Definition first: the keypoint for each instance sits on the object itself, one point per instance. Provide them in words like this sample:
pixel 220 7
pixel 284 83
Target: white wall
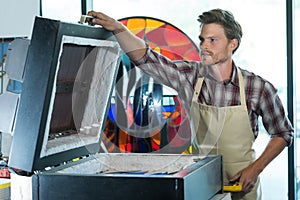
pixel 17 17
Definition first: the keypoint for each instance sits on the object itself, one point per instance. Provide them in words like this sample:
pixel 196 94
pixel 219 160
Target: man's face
pixel 215 48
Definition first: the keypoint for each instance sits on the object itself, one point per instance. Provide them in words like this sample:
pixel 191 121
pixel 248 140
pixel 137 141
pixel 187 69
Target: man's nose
pixel 203 45
pixel 203 48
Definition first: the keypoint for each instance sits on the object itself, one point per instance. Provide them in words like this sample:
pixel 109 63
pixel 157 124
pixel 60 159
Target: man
pixel 224 101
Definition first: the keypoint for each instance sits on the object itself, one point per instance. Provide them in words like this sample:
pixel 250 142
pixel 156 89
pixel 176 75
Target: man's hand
pixel 106 22
pixel 246 177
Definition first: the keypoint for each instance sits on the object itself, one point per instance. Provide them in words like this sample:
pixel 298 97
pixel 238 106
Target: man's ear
pixel 233 44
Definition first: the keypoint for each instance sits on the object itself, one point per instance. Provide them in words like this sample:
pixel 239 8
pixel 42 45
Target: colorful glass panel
pixel 163 37
pixel 176 45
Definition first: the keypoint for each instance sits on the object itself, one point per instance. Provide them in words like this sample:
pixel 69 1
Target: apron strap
pixel 197 89
pixel 242 87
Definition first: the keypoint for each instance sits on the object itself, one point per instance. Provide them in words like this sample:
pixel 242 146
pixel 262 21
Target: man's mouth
pixel 205 53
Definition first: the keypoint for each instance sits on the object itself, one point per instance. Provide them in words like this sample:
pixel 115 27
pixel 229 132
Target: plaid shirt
pixel 261 96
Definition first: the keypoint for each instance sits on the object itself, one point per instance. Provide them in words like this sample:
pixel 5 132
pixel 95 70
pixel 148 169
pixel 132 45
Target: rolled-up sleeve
pixel 287 136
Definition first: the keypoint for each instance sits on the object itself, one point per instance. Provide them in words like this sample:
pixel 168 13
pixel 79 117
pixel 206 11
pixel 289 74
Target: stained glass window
pixel 170 41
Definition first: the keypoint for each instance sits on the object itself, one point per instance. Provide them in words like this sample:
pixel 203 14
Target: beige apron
pixel 225 131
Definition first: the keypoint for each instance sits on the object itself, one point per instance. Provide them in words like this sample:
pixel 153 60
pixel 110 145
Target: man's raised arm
pixel 132 45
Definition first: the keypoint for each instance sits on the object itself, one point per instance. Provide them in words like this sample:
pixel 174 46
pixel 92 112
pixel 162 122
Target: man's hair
pixel 232 28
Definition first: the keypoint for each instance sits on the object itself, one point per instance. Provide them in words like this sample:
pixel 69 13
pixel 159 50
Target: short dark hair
pixel 232 28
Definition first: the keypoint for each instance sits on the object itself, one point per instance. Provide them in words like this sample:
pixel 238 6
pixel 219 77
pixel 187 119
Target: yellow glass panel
pixel 157 49
pixel 136 25
pixel 153 24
